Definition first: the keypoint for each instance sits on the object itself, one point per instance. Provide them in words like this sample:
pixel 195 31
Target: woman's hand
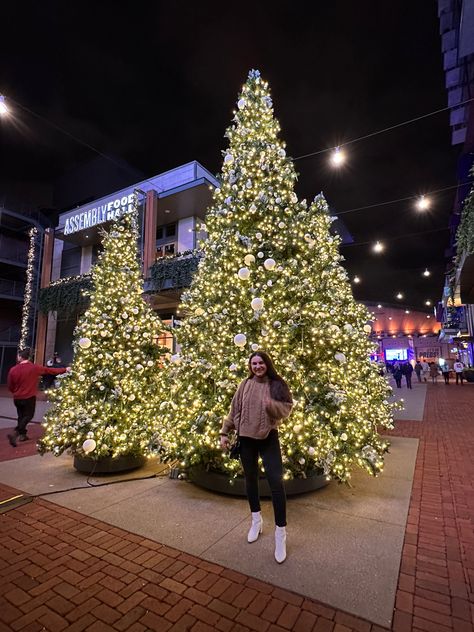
pixel 224 440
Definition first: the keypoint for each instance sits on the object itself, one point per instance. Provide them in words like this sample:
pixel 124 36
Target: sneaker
pixel 12 440
pixel 23 438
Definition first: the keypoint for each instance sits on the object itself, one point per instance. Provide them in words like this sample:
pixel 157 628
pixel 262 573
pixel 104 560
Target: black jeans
pixel 408 379
pixel 446 378
pixel 459 376
pixel 269 450
pixel 25 409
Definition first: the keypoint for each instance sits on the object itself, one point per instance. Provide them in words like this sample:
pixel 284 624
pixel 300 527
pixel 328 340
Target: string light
pixel 3 106
pixel 423 203
pixel 428 303
pixel 27 301
pixel 379 306
pixel 356 279
pixel 338 157
pixel 378 247
pixel 426 273
pixel 399 296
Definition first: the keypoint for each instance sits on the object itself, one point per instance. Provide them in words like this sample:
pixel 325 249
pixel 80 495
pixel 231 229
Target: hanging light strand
pixel 27 302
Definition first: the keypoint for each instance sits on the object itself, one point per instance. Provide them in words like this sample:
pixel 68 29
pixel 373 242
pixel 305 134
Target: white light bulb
pixel 426 273
pixel 378 247
pixel 423 203
pixel 428 303
pixel 399 296
pixel 356 279
pixel 3 106
pixel 338 157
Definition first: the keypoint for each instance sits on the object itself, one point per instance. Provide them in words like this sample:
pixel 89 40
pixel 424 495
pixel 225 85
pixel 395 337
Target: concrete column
pixel 46 269
pixel 86 259
pixel 149 240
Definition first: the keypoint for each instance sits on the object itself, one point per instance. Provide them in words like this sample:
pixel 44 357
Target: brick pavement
pixel 62 570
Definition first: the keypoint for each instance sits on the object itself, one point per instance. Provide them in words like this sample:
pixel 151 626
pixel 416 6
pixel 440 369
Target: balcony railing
pixel 12 250
pixel 15 289
pixel 10 334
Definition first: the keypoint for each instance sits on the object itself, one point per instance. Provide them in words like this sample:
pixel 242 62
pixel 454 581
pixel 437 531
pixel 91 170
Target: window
pixel 165 250
pixel 165 232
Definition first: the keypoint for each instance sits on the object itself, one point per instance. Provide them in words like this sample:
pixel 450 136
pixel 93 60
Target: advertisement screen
pixel 395 354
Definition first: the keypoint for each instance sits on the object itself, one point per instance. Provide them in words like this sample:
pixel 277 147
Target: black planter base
pixel 218 482
pixel 107 464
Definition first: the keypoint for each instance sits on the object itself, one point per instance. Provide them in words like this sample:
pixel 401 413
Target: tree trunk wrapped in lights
pixel 272 279
pixel 105 406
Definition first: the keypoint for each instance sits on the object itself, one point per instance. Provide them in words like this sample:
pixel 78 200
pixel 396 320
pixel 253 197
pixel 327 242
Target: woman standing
pixel 397 374
pixel 260 403
pixel 434 372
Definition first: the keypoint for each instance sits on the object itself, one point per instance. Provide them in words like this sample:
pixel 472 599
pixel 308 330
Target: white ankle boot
pixel 256 526
pixel 280 544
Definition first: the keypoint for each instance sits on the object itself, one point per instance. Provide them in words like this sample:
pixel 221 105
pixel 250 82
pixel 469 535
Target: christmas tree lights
pixel 272 279
pixel 105 405
pixel 26 316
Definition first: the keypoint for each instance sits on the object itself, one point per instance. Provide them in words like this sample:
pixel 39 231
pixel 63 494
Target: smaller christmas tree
pixel 105 405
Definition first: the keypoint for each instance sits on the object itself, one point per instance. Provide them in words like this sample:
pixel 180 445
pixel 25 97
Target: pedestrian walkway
pixel 64 570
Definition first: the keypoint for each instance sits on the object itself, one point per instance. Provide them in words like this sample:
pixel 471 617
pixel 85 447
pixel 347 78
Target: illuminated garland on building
pixel 27 302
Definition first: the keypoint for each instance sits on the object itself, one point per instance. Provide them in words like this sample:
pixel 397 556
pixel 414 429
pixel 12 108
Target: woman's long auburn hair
pixel 278 387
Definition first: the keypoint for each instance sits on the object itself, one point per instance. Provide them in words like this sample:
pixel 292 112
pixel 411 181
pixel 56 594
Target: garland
pixel 465 232
pixel 66 295
pixel 27 313
pixel 177 271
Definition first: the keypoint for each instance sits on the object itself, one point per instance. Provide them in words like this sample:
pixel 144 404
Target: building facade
pixel 171 206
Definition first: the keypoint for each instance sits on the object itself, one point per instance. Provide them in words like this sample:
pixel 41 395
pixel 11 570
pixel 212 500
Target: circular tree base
pixel 107 464
pixel 221 483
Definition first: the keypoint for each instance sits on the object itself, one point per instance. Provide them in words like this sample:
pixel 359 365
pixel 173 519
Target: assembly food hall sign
pixel 99 214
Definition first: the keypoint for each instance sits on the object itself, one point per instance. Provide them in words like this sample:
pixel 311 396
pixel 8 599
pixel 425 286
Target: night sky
pixel 156 84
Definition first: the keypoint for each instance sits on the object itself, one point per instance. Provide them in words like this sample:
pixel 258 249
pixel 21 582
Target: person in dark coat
pixel 418 370
pixel 407 370
pixel 397 374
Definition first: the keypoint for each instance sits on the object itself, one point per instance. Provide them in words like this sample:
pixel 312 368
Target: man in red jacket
pixel 22 381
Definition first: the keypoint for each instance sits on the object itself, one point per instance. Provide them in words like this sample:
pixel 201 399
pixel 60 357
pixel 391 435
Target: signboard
pixel 102 212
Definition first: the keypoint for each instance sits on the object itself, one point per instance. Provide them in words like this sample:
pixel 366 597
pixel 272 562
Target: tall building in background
pixel 457 43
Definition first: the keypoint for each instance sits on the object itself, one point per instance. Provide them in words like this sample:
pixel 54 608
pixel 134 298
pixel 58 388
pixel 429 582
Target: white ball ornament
pixel 233 367
pixel 175 358
pixel 343 437
pixel 348 328
pixel 240 340
pixel 260 255
pixel 269 264
pixel 253 208
pixel 270 283
pixel 199 311
pixel 229 159
pixel 281 225
pixel 307 237
pixel 302 461
pixel 277 324
pixel 244 274
pixel 258 236
pixel 249 259
pixel 340 357
pixel 89 445
pixel 294 198
pixel 241 104
pixel 311 451
pixel 367 329
pixel 254 347
pixel 85 343
pixel 257 304
pixel 281 153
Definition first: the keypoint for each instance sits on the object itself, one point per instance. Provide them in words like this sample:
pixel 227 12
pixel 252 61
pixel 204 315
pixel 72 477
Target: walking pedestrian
pixel 425 370
pixel 407 370
pixel 259 405
pixel 22 381
pixel 418 370
pixel 397 374
pixel 434 372
pixel 445 371
pixel 458 369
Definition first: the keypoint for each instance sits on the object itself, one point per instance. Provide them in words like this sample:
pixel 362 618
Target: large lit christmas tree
pixel 272 279
pixel 105 405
